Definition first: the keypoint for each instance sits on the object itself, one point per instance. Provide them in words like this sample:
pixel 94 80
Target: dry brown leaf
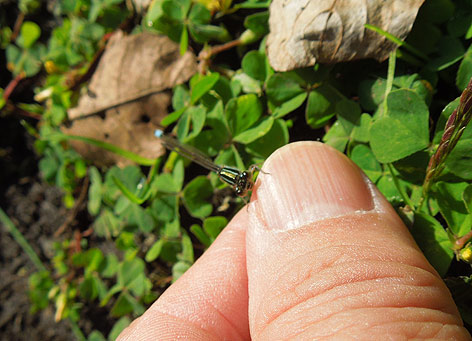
pixel 328 31
pixel 128 96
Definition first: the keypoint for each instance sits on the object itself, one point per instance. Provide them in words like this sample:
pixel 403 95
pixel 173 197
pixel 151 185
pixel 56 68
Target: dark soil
pixel 37 211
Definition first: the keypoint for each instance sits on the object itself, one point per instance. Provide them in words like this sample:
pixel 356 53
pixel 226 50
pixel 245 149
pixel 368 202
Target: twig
pixel 10 107
pixel 206 54
pixel 73 213
pixel 16 28
pixel 74 83
pixel 12 85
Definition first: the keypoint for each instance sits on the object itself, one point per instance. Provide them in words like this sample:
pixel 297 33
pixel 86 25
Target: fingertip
pixel 209 300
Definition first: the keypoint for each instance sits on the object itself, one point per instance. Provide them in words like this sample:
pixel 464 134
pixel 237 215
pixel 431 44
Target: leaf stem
pixel 21 240
pixel 397 41
pixel 390 76
pixel 400 189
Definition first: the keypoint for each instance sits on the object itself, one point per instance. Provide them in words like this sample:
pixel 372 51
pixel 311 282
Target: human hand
pixel 318 254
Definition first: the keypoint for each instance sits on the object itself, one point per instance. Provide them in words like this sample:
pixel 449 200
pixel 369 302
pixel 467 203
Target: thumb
pixel 327 257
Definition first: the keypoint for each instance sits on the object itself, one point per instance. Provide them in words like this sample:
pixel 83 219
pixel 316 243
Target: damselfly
pixel 241 182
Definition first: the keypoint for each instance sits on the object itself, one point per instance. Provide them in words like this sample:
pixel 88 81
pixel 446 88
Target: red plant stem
pixel 17 27
pixel 206 54
pixel 75 83
pixel 12 85
pixel 460 242
pixel 13 108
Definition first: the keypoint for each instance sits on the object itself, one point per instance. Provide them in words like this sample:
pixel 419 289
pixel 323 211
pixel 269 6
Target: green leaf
pixel 201 236
pixel 290 105
pixel 282 87
pixel 247 83
pixel 460 25
pixel 128 193
pixel 360 132
pixel 275 138
pixel 125 241
pixel 90 259
pixel 118 327
pixel 107 224
pixel 467 198
pixel 337 137
pixel 258 22
pixel 109 266
pixel 203 33
pixel 197 117
pixel 255 132
pixel 202 86
pixel 214 225
pixel 464 74
pixel 172 229
pixel 195 197
pixel 135 215
pixel 154 251
pixel 199 14
pixel 129 271
pixel 253 64
pixel 164 208
pixel 176 9
pixel 165 184
pixel 371 93
pixel 95 335
pixel 242 112
pixel 178 269
pixel 433 241
pixel 365 159
pixel 169 251
pixel 88 288
pixel 213 138
pixel 123 305
pixel 459 162
pixel 29 33
pixel 172 117
pixel 460 288
pixel 452 207
pixel 403 129
pixel 440 125
pixel 181 97
pixel 183 126
pixel 319 109
pixel 187 254
pixel 348 113
pixel 183 41
pixel 178 173
pixel 437 11
pixel 413 167
pixel 450 51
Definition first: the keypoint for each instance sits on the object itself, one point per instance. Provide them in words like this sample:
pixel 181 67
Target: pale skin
pixel 318 255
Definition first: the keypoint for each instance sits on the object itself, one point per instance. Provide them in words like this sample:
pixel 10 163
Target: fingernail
pixel 307 182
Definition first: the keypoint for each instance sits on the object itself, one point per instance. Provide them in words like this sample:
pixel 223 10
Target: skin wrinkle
pixel 197 322
pixel 427 277
pixel 398 325
pixel 341 298
pixel 422 326
pixel 172 321
pixel 427 316
pixel 321 271
pixel 227 320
